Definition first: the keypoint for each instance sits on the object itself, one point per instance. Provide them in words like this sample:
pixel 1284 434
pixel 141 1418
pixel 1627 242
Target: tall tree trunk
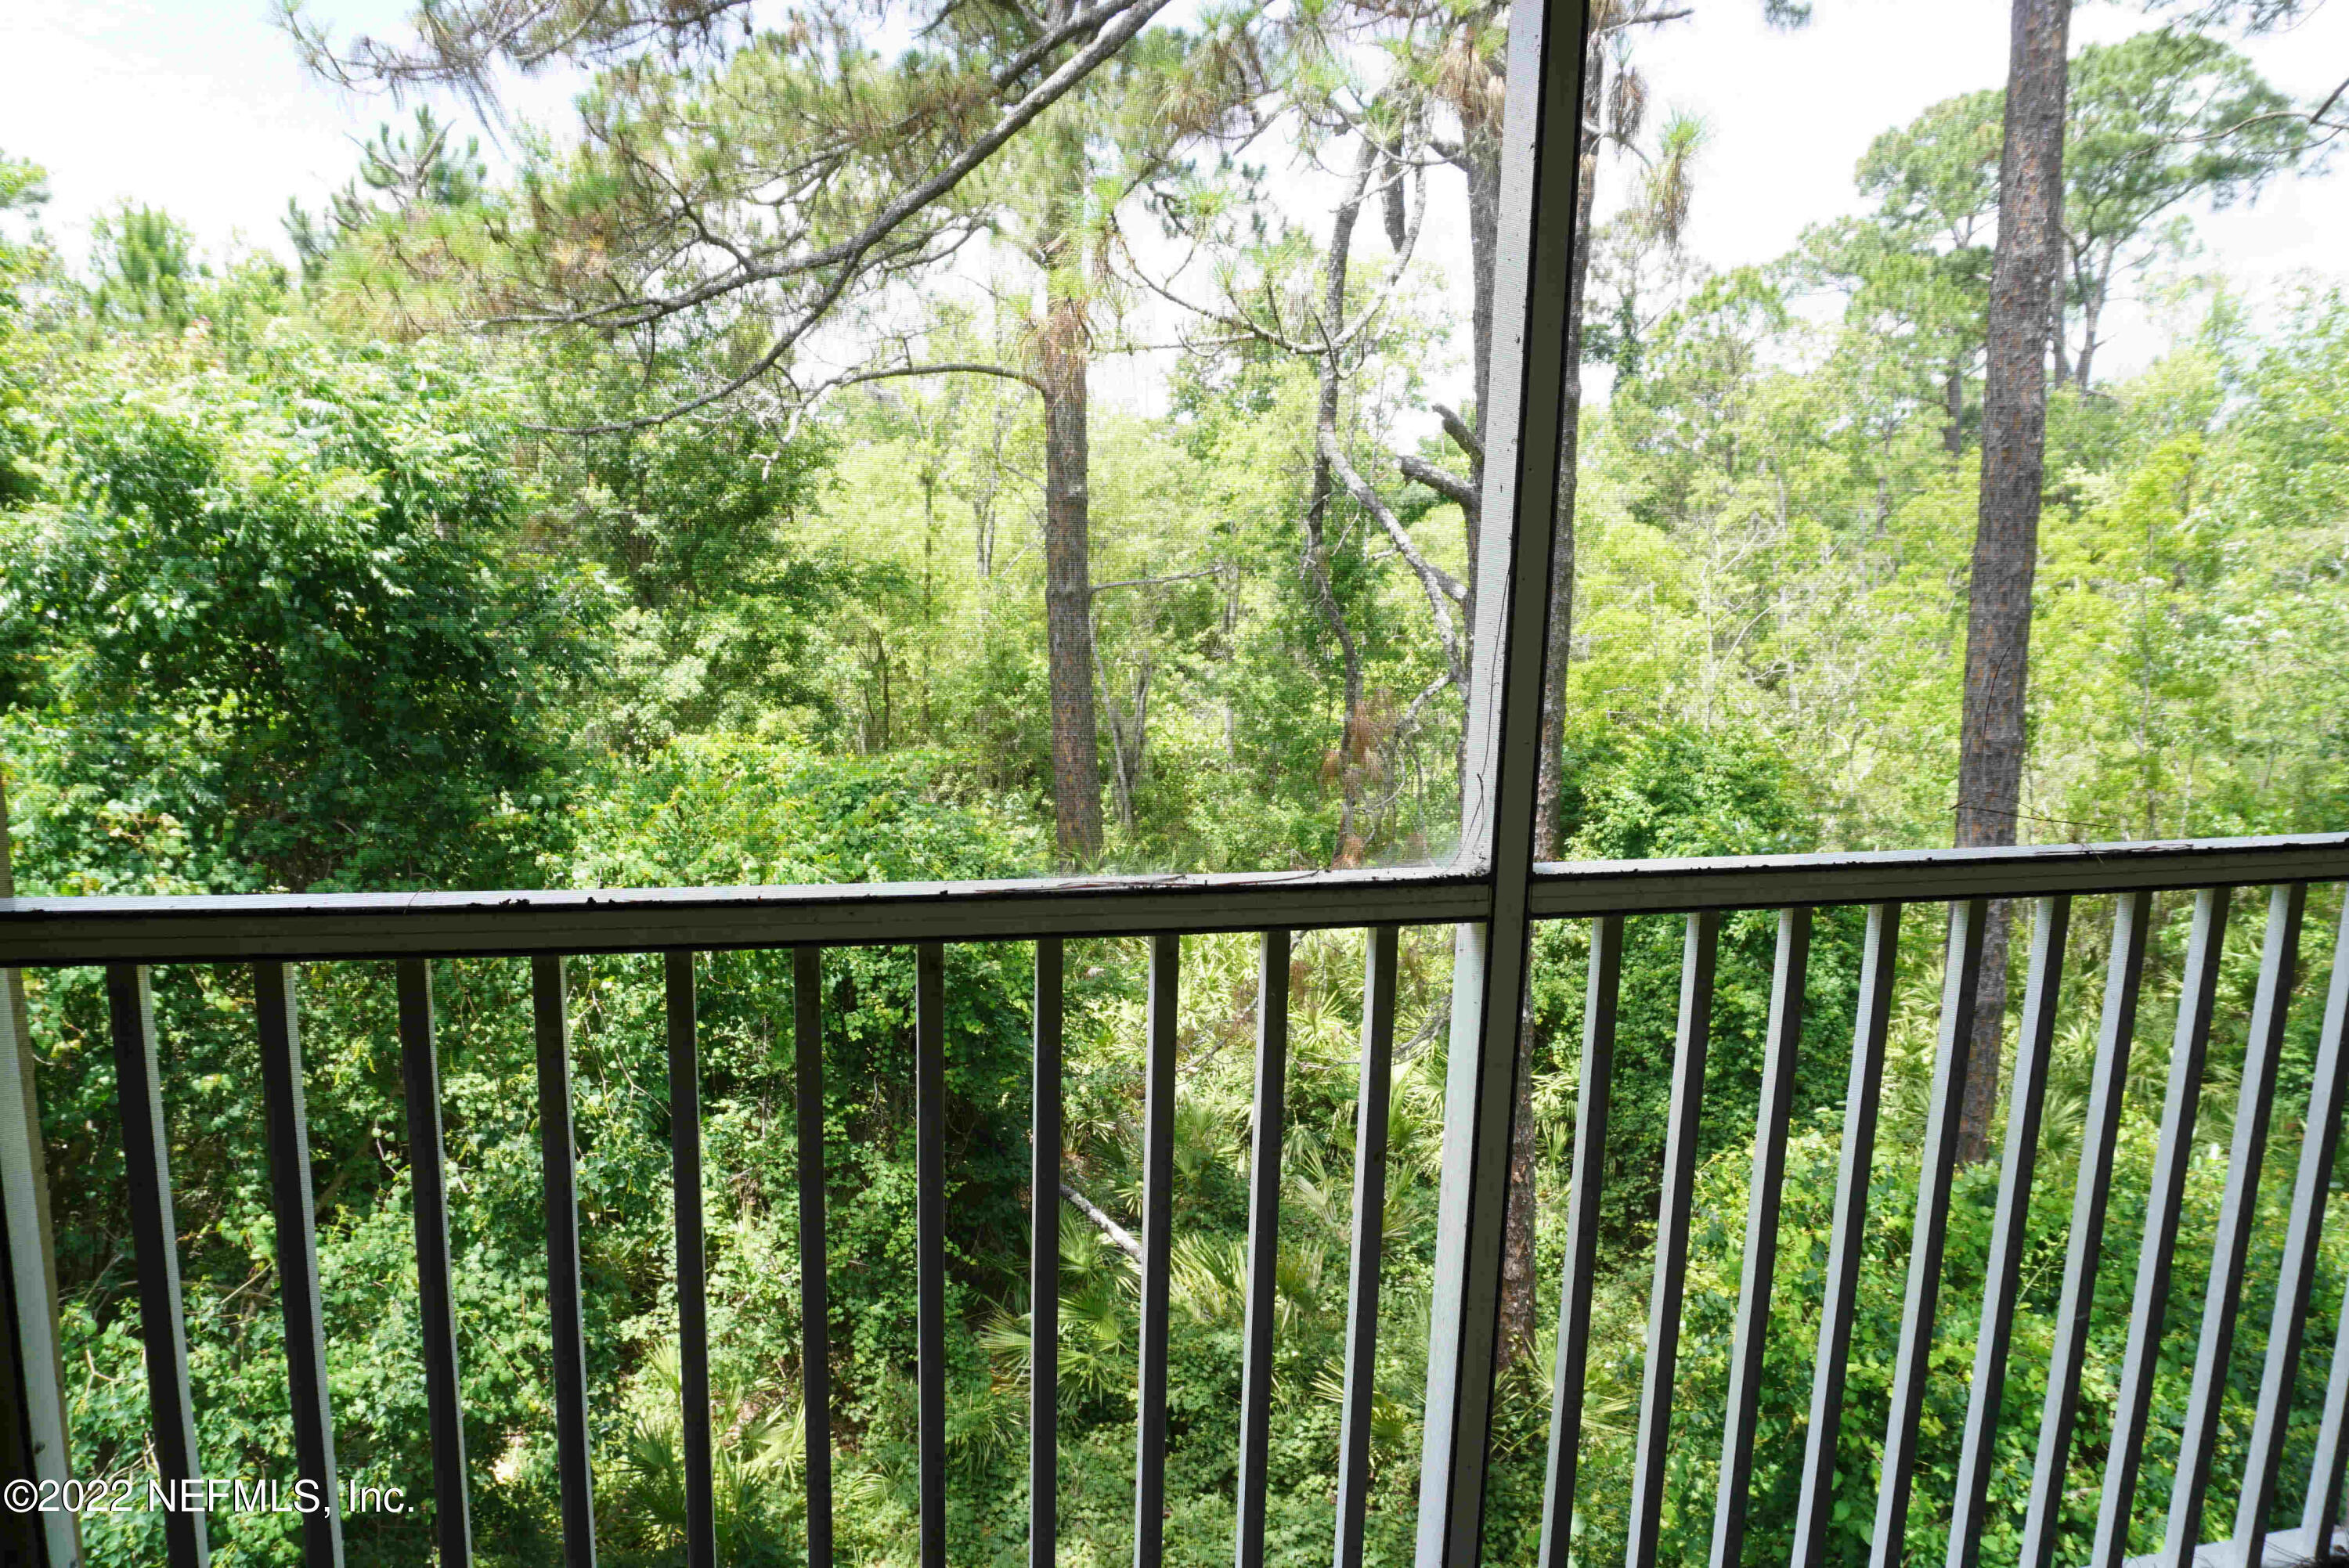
pixel 1348 772
pixel 1118 774
pixel 2006 541
pixel 1068 527
pixel 930 605
pixel 1953 398
pixel 1068 590
pixel 2098 284
pixel 1480 160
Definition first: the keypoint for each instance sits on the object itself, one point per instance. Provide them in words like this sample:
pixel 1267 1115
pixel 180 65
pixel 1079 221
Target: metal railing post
pixel 34 1442
pixel 816 1280
pixel 147 1171
pixel 1044 1264
pixel 1157 1223
pixel 420 1064
pixel 1701 953
pixel 1264 1243
pixel 1758 1268
pixel 2165 1201
pixel 1848 1241
pixel 559 1170
pixel 2238 1218
pixel 287 1120
pixel 2287 1333
pixel 2092 1192
pixel 1595 1090
pixel 2026 1099
pixel 1913 1364
pixel 1371 1107
pixel 930 1243
pixel 1500 762
pixel 692 1267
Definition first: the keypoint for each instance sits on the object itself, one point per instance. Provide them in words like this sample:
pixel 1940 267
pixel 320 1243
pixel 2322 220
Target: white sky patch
pixel 201 108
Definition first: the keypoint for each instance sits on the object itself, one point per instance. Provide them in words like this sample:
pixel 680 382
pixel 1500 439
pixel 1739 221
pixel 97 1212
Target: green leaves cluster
pixel 281 611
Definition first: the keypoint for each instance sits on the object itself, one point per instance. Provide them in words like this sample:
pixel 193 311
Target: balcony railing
pixel 1902 893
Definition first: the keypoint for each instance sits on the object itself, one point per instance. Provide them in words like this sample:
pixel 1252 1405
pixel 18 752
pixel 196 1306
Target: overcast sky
pixel 1792 112
pixel 199 107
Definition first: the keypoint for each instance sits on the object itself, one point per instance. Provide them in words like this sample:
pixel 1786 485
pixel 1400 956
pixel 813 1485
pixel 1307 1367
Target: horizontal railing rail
pixel 37 933
pixel 305 927
pixel 1929 876
pixel 274 931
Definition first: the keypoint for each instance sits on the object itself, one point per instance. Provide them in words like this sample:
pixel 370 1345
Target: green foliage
pixel 145 270
pixel 24 187
pixel 271 627
pixel 406 173
pixel 1686 794
pixel 2164 117
pixel 702 526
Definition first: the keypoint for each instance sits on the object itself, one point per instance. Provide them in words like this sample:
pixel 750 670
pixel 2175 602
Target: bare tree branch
pixel 767 362
pixel 1451 486
pixel 1410 719
pixel 462 43
pixel 1641 19
pixel 946 367
pixel 2314 119
pixel 1120 1237
pixel 1150 581
pixel 1462 436
pixel 1333 335
pixel 1443 591
pixel 1103 28
pixel 849 252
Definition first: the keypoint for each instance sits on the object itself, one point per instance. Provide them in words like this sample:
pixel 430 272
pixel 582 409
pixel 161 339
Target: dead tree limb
pixel 1120 1237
